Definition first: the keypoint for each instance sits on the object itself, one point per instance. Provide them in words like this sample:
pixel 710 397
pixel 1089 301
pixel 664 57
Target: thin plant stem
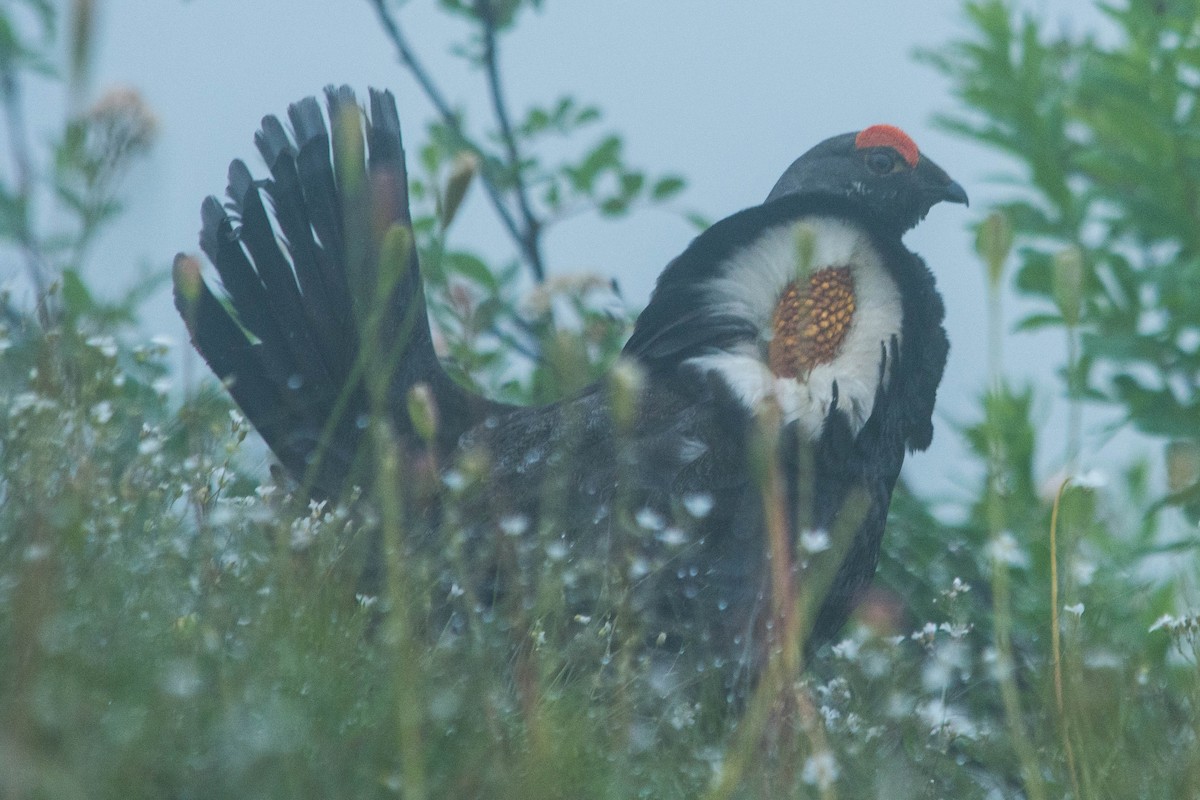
pixel 995 336
pixel 1056 641
pixel 531 231
pixel 18 142
pixel 1074 401
pixel 408 57
pixel 1002 610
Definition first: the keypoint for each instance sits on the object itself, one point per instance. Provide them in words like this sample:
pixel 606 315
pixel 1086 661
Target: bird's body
pixel 807 311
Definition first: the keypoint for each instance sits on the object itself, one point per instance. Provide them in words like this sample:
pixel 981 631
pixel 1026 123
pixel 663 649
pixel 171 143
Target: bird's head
pixel 879 166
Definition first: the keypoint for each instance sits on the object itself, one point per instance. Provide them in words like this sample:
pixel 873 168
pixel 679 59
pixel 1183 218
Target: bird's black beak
pixel 953 192
pixel 937 186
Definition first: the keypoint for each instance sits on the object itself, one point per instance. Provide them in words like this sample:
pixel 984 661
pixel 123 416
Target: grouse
pixel 797 344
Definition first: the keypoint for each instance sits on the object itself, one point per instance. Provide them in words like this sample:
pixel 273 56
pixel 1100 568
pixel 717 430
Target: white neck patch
pixel 752 280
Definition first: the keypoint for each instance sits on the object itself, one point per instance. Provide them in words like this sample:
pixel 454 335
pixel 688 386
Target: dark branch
pixel 520 235
pixel 532 226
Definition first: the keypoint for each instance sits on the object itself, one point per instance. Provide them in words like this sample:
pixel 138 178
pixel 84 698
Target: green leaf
pixel 666 187
pixel 603 157
pixel 1034 322
pixel 472 268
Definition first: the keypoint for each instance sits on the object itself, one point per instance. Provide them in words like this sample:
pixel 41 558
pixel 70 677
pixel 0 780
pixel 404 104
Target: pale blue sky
pixel 727 94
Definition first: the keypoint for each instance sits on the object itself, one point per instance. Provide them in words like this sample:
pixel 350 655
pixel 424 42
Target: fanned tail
pixel 315 307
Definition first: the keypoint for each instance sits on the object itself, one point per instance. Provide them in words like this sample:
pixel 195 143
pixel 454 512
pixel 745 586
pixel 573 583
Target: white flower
pixel 514 524
pixel 957 586
pixel 814 541
pixel 956 630
pixel 303 533
pixel 1083 570
pixel 698 505
pixel 107 345
pixel 673 537
pixel 102 412
pixel 150 443
pixel 820 770
pixel 1076 609
pixel 650 520
pixel 947 720
pixel 1005 549
pixel 847 649
pixel 1092 479
pixel 926 635
pixel 556 550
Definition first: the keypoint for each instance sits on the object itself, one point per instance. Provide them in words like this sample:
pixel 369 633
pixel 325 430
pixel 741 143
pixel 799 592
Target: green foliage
pixel 1103 131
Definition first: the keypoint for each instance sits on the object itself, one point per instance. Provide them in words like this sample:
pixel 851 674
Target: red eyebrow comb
pixel 889 136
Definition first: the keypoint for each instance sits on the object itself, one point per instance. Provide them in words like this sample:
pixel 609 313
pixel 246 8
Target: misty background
pixel 727 95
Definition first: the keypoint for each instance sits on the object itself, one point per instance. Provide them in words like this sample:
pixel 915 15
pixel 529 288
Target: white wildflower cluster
pixel 105 345
pixel 958 587
pixel 956 630
pixel 836 690
pixel 833 701
pixel 305 530
pixel 947 721
pixel 847 649
pixel 683 715
pixel 150 442
pixel 29 404
pixel 926 634
pixel 949 661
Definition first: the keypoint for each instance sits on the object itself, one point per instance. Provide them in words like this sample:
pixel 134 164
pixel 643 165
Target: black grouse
pixel 796 344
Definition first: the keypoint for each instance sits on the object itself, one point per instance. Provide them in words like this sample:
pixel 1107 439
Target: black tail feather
pixel 301 275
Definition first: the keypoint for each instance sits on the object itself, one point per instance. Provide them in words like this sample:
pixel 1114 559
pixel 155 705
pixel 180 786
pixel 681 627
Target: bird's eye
pixel 880 162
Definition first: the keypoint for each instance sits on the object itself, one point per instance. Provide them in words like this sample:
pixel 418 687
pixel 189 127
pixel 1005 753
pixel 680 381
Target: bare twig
pixel 522 235
pixel 531 233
